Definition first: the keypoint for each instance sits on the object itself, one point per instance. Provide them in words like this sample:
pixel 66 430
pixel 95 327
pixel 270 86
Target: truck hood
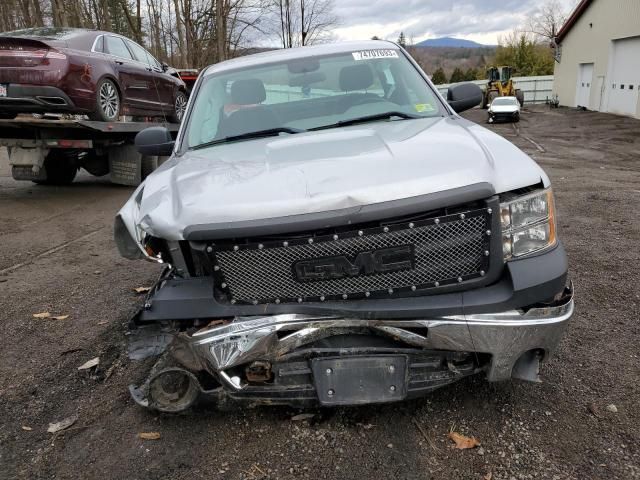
pixel 322 171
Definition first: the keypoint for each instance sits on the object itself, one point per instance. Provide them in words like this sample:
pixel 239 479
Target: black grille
pixel 450 249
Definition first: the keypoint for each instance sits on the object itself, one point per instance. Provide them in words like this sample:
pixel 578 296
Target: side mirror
pixel 464 96
pixel 165 66
pixel 154 141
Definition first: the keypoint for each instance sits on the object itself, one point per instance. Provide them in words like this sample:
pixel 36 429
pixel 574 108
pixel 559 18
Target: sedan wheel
pixel 180 107
pixel 108 102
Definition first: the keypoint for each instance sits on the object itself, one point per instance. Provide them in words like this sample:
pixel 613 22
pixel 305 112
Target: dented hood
pixel 326 170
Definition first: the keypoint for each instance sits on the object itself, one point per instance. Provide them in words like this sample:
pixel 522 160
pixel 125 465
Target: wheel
pixel 59 169
pixel 8 116
pixel 180 106
pixel 107 102
pixel 516 118
pixel 520 97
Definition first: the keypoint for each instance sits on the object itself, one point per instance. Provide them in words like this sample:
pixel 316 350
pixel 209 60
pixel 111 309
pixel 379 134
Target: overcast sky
pixel 479 20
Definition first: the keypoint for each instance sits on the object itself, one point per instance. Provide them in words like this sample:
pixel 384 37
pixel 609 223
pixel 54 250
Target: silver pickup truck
pixel 332 232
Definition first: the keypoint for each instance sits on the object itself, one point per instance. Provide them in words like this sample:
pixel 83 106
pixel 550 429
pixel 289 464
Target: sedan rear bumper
pixel 36 99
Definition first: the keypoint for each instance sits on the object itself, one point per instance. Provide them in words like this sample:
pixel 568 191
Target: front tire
pixel 179 107
pixel 108 102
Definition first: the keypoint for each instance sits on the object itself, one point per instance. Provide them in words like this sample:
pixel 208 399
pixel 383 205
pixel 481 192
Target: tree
pixel 402 40
pixel 519 50
pixel 439 77
pixel 547 21
pixel 471 74
pixel 303 22
pixel 457 76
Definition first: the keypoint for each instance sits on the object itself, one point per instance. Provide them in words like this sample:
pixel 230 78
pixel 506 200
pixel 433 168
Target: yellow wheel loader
pixel 500 84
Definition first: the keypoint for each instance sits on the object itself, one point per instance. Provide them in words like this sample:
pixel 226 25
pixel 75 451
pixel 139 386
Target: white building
pixel 599 57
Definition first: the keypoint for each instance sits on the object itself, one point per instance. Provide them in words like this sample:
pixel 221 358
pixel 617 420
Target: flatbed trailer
pixel 52 151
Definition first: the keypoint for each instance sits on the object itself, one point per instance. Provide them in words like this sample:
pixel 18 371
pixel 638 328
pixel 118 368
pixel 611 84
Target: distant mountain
pixel 450 42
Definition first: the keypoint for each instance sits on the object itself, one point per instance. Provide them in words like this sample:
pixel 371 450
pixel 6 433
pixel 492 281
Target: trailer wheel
pixel 107 108
pixel 59 169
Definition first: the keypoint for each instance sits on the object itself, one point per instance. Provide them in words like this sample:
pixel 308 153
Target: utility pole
pixel 221 34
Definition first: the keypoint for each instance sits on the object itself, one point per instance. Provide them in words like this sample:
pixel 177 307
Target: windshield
pixel 312 93
pixel 501 102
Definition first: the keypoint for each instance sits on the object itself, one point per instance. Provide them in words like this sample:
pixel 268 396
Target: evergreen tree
pixel 471 74
pixel 402 40
pixel 439 77
pixel 457 76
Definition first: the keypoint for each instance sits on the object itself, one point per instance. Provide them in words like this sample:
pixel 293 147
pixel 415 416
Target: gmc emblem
pixel 382 260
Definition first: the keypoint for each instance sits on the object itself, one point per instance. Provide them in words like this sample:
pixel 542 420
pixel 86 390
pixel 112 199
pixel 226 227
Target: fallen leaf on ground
pixel 488 476
pixel 103 322
pixel 62 424
pixel 303 416
pixel 48 315
pixel 141 289
pixel 26 429
pixel 89 364
pixel 463 442
pixel 149 435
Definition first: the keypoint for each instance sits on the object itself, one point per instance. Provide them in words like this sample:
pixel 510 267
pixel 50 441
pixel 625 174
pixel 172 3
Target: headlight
pixel 528 224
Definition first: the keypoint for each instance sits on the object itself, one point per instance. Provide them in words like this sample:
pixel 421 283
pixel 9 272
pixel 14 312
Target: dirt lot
pixel 57 255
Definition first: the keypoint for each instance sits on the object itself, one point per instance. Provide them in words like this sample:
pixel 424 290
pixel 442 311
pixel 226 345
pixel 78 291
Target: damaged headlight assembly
pixel 130 238
pixel 528 224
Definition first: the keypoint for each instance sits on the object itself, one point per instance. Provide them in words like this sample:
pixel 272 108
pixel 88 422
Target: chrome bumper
pixel 510 337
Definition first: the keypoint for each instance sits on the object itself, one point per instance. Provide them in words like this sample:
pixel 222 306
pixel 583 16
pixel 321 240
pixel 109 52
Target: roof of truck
pixel 284 54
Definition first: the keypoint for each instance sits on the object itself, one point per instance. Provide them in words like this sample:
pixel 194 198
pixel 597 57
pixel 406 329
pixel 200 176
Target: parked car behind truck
pixel 504 109
pixel 72 70
pixel 333 233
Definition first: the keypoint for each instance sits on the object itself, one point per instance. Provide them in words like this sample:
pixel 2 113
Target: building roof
pixel 573 18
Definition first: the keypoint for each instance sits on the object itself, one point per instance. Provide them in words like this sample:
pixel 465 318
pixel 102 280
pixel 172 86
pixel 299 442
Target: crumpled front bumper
pixel 514 342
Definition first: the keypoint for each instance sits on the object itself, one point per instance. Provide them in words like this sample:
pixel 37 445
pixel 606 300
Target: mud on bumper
pixel 306 360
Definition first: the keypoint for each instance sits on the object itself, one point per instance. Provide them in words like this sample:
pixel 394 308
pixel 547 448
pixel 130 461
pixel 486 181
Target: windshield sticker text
pixel 369 54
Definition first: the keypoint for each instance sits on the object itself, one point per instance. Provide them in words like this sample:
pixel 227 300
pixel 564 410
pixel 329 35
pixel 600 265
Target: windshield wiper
pixel 369 118
pixel 245 136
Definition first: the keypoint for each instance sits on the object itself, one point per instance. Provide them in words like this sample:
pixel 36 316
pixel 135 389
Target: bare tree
pixel 185 33
pixel 547 21
pixel 303 22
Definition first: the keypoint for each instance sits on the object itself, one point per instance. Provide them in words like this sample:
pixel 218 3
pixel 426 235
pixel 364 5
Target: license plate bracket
pixel 360 380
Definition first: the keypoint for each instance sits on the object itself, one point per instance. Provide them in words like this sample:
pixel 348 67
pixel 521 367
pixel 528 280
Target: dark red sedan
pixel 73 70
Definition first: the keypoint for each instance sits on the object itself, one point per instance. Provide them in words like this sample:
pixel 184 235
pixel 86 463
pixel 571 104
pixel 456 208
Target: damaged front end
pixel 310 360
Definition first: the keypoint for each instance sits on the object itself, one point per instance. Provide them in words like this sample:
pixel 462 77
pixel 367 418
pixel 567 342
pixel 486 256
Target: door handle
pixel 119 62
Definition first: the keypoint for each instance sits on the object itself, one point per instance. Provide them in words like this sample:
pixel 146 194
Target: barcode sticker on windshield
pixel 369 54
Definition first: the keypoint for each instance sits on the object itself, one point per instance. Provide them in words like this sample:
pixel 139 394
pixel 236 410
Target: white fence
pixel 535 89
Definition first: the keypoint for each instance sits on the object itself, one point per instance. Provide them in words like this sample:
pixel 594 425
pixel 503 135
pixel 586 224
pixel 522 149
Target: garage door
pixel 583 90
pixel 624 80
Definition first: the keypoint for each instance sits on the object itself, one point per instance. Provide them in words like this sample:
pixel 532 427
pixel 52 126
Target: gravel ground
pixel 57 255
